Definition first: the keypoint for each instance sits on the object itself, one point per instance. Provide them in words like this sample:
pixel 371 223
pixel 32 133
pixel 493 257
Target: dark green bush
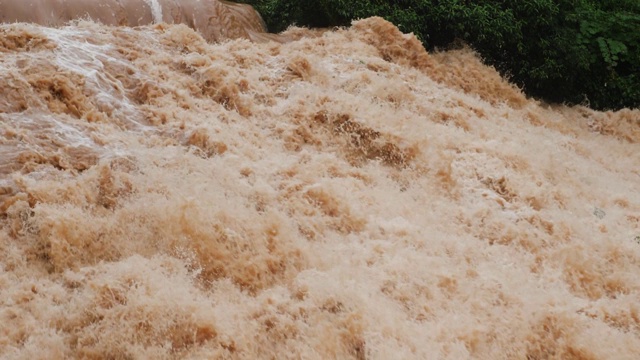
pixel 573 51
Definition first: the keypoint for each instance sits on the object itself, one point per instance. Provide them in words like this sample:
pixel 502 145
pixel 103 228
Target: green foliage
pixel 609 42
pixel 572 51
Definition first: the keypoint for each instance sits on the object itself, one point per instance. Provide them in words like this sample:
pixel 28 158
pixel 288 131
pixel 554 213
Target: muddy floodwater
pixel 331 195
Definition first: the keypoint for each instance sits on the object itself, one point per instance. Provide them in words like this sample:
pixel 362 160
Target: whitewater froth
pixel 344 195
pixel 156 10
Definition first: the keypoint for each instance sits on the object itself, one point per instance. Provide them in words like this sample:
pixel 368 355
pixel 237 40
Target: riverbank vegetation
pixel 561 51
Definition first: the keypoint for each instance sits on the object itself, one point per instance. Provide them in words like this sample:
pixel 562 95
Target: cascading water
pixel 343 195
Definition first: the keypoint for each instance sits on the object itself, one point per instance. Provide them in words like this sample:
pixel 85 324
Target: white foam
pixel 156 10
pixel 81 57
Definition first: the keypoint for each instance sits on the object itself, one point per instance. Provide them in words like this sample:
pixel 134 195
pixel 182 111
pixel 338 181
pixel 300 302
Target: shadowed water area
pixel 342 194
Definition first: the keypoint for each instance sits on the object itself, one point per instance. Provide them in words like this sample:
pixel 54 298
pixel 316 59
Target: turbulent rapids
pixel 213 19
pixel 342 194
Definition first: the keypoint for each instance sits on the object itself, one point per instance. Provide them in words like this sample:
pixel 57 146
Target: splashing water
pixel 343 195
pixel 156 10
pixel 215 20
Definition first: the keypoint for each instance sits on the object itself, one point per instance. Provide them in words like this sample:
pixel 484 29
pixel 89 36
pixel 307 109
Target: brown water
pixel 213 19
pixel 345 195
